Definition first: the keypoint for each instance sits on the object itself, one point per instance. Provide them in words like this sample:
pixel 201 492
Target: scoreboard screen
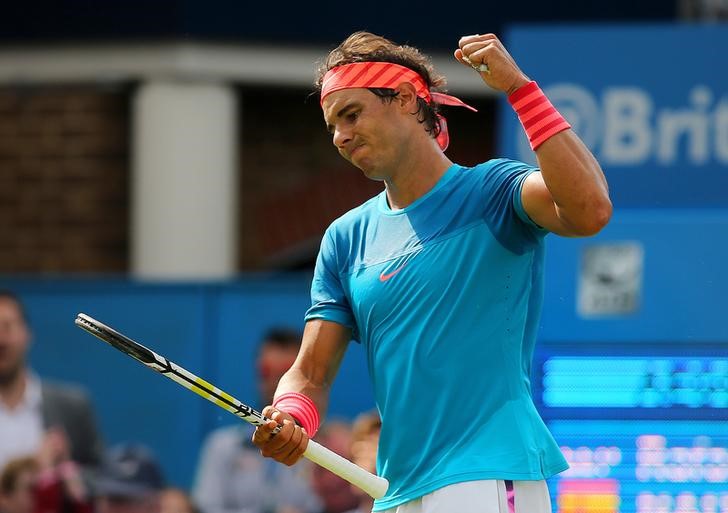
pixel 642 382
pixel 633 466
pixel 642 432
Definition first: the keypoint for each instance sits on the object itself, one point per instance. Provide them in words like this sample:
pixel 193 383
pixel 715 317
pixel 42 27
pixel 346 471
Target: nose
pixel 341 138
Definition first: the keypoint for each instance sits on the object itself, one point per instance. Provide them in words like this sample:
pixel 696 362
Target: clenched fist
pixel 502 73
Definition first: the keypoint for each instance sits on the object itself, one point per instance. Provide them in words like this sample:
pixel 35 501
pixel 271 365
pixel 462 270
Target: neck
pixel 12 388
pixel 417 175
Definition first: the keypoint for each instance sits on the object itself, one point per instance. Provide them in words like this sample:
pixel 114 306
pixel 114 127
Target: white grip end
pixel 373 485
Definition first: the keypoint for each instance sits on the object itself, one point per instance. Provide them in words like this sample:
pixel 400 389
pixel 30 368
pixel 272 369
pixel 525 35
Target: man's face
pixel 368 132
pixel 273 362
pixel 14 340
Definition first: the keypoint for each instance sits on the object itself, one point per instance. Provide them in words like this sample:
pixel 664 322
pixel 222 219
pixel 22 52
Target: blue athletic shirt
pixel 445 296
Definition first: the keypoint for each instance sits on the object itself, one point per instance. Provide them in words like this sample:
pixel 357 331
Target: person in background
pixel 35 412
pixel 336 494
pixel 130 480
pixel 364 440
pixel 17 479
pixel 232 477
pixel 43 483
pixel 176 500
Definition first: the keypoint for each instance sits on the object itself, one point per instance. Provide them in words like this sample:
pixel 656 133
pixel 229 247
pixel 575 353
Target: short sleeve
pixel 503 207
pixel 328 298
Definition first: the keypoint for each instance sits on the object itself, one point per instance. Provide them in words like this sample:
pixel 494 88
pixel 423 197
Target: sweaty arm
pixel 570 195
pixel 322 349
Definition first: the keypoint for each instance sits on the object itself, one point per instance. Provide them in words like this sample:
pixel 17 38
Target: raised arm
pixel 570 195
pixel 322 349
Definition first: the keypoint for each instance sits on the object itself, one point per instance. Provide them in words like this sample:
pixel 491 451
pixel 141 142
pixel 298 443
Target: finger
pixel 278 443
pixel 260 436
pixel 292 449
pixel 478 63
pixel 475 38
pixel 303 445
pixel 459 57
pixel 471 48
pixel 267 427
pixel 279 416
pixel 264 433
pixel 300 447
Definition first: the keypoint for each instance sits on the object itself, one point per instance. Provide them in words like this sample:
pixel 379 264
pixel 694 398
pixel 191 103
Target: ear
pixel 407 97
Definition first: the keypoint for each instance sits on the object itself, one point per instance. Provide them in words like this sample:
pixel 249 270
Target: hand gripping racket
pixel 373 485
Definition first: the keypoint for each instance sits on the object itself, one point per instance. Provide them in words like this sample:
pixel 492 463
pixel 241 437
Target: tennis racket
pixel 373 485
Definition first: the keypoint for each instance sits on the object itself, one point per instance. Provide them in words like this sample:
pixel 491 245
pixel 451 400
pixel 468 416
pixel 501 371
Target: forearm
pixel 296 380
pixel 323 347
pixel 576 183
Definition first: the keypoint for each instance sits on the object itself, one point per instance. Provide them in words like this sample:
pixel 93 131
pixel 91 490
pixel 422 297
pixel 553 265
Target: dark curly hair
pixel 367 47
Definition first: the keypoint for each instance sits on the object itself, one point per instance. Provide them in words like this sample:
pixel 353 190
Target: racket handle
pixel 373 485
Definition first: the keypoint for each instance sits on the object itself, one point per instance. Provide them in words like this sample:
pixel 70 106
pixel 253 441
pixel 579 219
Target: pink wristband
pixel 539 117
pixel 300 408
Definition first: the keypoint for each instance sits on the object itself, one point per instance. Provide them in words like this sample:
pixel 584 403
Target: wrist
pixel 301 408
pixel 537 115
pixel 517 85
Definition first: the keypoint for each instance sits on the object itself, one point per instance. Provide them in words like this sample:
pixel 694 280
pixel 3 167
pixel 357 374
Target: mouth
pixel 355 150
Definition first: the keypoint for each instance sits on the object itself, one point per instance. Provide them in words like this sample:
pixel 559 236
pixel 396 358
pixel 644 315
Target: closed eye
pixel 350 113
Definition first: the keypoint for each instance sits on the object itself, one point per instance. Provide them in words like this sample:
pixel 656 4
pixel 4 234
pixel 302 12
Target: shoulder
pixel 349 229
pixel 502 166
pixel 354 217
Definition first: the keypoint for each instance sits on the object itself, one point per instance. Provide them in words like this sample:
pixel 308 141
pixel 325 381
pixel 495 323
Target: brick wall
pixel 64 177
pixel 64 155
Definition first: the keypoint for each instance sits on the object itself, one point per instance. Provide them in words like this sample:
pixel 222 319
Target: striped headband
pixel 387 75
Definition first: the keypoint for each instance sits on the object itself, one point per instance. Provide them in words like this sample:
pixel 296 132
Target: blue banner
pixel 651 102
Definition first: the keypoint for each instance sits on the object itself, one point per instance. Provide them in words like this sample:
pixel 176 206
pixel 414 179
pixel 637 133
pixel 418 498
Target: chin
pixel 372 174
pixel 369 170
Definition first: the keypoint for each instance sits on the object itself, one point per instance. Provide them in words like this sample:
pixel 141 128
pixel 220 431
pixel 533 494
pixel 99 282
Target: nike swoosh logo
pixel 384 277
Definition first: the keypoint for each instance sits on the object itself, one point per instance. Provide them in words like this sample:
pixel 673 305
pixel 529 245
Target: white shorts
pixel 486 496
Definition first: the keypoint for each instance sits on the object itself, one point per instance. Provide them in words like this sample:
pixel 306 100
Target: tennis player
pixel 439 277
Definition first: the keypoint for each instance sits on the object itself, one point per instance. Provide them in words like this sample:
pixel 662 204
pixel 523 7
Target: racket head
pixel 118 340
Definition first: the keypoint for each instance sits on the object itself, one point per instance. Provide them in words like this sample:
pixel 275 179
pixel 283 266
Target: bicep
pixel 539 205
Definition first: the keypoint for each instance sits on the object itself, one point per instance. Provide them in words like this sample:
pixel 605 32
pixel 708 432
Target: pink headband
pixel 388 75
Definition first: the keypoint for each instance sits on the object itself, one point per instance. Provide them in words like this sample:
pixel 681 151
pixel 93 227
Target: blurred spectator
pixel 129 481
pixel 232 476
pixel 59 485
pixel 33 484
pixel 175 500
pixel 336 494
pixel 33 412
pixel 16 485
pixel 364 442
